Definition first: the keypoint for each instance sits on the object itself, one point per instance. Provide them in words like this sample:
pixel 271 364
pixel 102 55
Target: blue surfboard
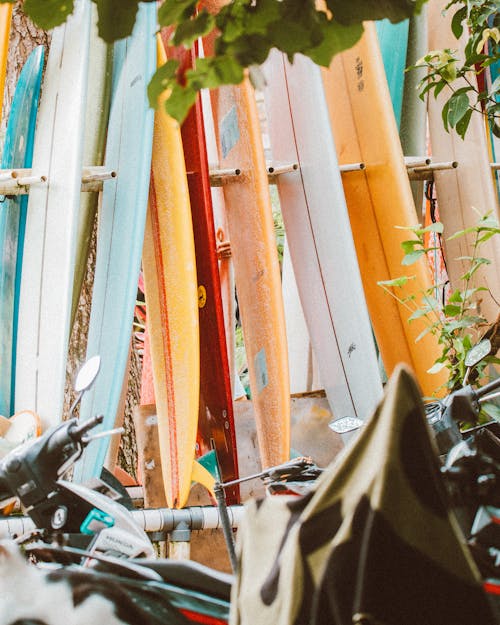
pixel 393 40
pixel 120 234
pixel 17 153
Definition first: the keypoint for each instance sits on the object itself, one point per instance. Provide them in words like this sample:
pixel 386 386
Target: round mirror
pixel 87 374
pixel 477 353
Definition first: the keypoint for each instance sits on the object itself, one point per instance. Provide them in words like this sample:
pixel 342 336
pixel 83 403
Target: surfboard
pixel 393 41
pixel 5 22
pixel 51 224
pixel 216 421
pixel 378 199
pixel 121 220
pixel 17 153
pixel 319 236
pixel 96 123
pixel 226 269
pixel 256 266
pixel 169 267
pixel 413 127
pixel 302 364
pixel 469 188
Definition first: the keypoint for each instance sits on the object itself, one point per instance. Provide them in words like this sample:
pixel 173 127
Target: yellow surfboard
pixel 5 21
pixel 172 305
pixel 256 267
pixel 378 199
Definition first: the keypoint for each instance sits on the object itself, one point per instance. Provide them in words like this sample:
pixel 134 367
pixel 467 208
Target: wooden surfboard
pixel 469 188
pixel 216 422
pixel 319 235
pixel 49 249
pixel 256 267
pixel 17 153
pixel 378 199
pixel 122 216
pixel 5 22
pixel 96 123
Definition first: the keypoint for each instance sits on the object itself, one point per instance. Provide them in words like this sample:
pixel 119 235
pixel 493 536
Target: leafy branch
pixel 481 19
pixel 243 31
pixel 454 320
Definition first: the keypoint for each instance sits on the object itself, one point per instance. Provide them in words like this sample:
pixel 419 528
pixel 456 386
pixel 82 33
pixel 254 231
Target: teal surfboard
pixel 393 40
pixel 17 153
pixel 121 221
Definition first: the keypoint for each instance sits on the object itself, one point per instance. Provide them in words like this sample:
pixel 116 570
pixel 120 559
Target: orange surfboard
pixel 256 266
pixel 378 199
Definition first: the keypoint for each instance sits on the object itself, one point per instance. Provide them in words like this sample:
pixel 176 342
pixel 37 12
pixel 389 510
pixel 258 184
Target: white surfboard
pixel 470 186
pixel 319 234
pixel 302 364
pixel 49 248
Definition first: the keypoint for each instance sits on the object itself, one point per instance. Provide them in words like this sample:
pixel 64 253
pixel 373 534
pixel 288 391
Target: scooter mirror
pixel 477 353
pixel 87 374
pixel 343 425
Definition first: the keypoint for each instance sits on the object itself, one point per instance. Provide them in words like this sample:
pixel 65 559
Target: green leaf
pixel 436 367
pixel 48 14
pixel 421 312
pixel 463 124
pixel 397 282
pixel 161 80
pixel 411 258
pixel 116 18
pixel 355 11
pixel 409 246
pixel 458 106
pixel 180 101
pixel 173 11
pixel 491 410
pixel 187 32
pixel 451 310
pixel 444 115
pixel 456 22
pixel 456 296
pixel 422 334
pixel 434 227
pixel 337 37
pixel 212 72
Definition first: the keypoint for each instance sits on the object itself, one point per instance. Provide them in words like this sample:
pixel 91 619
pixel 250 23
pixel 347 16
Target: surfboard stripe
pixel 167 368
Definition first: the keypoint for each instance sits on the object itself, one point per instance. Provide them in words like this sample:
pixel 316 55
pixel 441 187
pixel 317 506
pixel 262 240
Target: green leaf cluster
pixel 454 320
pixel 481 19
pixel 244 31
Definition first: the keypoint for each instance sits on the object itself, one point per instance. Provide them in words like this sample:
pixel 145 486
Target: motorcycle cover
pixel 375 542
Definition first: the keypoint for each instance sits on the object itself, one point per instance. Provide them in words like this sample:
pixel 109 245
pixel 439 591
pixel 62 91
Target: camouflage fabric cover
pixel 374 544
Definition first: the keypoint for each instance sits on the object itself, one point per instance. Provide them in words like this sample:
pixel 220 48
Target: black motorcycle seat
pixel 192 575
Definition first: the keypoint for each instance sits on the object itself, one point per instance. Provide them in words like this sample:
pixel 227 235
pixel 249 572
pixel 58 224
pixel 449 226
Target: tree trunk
pixel 24 37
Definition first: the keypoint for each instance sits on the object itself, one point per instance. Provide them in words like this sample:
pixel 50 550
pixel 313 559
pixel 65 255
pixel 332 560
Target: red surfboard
pixel 216 420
